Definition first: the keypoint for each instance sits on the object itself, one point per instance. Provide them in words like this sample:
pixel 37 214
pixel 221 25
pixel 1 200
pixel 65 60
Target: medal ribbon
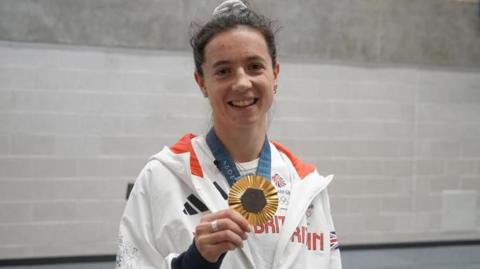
pixel 227 166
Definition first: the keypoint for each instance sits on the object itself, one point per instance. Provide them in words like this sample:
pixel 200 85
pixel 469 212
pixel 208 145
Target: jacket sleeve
pixel 335 259
pixel 136 242
pixel 192 259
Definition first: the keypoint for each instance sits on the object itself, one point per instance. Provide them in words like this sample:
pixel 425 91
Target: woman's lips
pixel 243 103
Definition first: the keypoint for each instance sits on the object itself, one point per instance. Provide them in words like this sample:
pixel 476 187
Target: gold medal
pixel 255 198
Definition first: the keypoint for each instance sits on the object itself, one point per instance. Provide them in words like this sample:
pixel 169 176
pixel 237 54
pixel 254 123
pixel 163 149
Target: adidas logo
pixel 193 205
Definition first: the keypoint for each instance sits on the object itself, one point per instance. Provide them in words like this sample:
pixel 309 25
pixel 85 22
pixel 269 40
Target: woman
pixel 177 215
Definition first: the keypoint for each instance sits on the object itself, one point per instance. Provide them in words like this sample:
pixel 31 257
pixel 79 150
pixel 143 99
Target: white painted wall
pixel 78 123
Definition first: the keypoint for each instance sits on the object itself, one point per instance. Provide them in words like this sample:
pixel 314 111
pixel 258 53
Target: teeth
pixel 243 103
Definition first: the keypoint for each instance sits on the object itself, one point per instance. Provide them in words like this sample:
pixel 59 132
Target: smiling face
pixel 238 78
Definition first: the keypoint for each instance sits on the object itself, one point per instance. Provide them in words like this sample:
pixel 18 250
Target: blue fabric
pixel 227 166
pixel 192 259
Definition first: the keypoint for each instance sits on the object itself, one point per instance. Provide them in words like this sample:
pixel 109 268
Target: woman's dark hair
pixel 228 20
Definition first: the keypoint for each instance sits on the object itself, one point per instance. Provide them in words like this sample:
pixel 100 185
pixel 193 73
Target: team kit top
pixel 181 183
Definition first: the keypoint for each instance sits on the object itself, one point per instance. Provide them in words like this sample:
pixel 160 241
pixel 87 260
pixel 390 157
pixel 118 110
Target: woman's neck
pixel 243 145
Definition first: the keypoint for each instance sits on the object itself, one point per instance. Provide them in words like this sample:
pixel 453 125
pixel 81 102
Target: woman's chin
pixel 250 122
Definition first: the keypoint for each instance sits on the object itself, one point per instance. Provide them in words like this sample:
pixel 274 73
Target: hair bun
pixel 228 6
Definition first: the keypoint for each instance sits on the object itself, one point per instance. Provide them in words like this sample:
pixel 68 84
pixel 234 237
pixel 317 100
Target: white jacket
pixel 158 221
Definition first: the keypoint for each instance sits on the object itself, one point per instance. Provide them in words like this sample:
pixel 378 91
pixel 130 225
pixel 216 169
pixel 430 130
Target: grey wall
pixel 77 124
pixel 426 32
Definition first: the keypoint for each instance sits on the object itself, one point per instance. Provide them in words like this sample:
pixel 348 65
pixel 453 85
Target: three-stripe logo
pixel 193 205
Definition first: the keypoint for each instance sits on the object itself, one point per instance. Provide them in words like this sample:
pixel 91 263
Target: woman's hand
pixel 220 232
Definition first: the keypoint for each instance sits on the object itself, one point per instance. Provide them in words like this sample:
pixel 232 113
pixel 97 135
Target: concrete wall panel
pixel 78 124
pixel 424 32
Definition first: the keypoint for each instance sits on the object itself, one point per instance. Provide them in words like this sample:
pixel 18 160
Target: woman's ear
pixel 276 71
pixel 201 83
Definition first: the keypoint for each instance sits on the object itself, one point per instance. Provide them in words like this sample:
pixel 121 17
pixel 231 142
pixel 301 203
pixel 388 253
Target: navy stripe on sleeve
pixel 192 259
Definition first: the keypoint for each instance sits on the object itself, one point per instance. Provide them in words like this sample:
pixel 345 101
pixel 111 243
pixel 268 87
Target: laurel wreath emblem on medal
pixel 255 198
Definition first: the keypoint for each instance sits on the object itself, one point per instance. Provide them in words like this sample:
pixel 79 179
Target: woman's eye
pixel 256 67
pixel 222 72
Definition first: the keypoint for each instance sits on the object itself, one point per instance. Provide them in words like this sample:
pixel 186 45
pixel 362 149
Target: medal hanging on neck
pixel 253 196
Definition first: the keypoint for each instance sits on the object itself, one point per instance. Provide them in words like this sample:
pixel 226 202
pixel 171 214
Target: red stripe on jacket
pixel 185 145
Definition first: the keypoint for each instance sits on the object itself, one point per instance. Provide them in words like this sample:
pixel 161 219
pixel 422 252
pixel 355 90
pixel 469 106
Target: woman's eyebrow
pixel 248 59
pixel 255 58
pixel 221 62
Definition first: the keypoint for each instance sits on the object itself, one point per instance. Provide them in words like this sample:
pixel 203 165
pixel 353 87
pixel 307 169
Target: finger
pixel 203 228
pixel 213 252
pixel 222 224
pixel 220 237
pixel 229 224
pixel 238 219
pixel 223 247
pixel 230 214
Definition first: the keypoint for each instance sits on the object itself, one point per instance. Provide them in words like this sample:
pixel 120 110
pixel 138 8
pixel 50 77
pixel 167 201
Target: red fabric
pixel 185 145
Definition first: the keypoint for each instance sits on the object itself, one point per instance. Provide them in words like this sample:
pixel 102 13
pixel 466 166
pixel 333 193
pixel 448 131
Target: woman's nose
pixel 242 81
